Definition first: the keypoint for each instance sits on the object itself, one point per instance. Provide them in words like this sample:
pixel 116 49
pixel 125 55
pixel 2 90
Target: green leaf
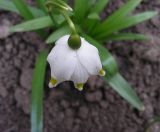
pixel 118 15
pixel 99 6
pixel 125 36
pixel 34 24
pixel 37 93
pixel 126 22
pixel 41 4
pixel 65 1
pixel 89 25
pixel 9 6
pixel 80 9
pixel 91 22
pixel 93 16
pixel 116 81
pixel 36 12
pixel 58 33
pixel 120 85
pixel 23 9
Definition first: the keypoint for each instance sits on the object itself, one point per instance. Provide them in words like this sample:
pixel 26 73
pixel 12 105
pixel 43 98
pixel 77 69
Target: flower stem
pixel 62 7
pixel 70 23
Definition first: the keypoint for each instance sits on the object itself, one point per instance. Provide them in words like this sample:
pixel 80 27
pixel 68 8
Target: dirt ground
pixel 96 109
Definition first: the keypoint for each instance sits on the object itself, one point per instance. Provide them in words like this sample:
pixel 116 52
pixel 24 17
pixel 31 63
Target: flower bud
pixel 74 41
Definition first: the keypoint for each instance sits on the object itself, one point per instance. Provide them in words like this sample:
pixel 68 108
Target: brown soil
pixel 96 109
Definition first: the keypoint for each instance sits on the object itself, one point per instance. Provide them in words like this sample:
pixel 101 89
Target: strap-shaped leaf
pixel 120 85
pixel 93 16
pixel 95 7
pixel 37 23
pixel 41 4
pixel 57 34
pixel 125 36
pixel 9 6
pixel 90 22
pixel 23 9
pixel 126 22
pixel 116 81
pixel 80 9
pixel 37 93
pixel 34 24
pixel 119 14
pixel 99 6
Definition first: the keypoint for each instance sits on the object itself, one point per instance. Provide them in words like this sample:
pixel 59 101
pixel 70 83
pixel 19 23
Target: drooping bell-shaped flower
pixel 73 64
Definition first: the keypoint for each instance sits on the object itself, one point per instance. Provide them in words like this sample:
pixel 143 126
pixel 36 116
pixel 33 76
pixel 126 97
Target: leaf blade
pixel 99 6
pixel 128 22
pixel 119 14
pixel 9 6
pixel 23 9
pixel 41 4
pixel 35 24
pixel 37 93
pixel 125 36
pixel 119 84
pixel 80 9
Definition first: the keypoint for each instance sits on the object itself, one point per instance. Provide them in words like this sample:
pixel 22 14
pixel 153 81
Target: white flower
pixel 68 64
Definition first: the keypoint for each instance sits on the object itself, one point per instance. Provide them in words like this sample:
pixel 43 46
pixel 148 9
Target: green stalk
pixel 70 23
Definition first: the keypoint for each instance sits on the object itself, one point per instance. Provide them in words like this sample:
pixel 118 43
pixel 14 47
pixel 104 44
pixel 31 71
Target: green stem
pixel 64 4
pixel 61 7
pixel 50 3
pixel 70 23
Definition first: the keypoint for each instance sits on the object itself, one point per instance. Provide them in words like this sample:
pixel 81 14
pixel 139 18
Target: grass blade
pixel 126 22
pixel 23 9
pixel 119 14
pixel 57 34
pixel 37 93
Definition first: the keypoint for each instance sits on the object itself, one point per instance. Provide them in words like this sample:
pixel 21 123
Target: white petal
pixel 62 60
pixel 89 58
pixel 80 74
pixel 63 40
